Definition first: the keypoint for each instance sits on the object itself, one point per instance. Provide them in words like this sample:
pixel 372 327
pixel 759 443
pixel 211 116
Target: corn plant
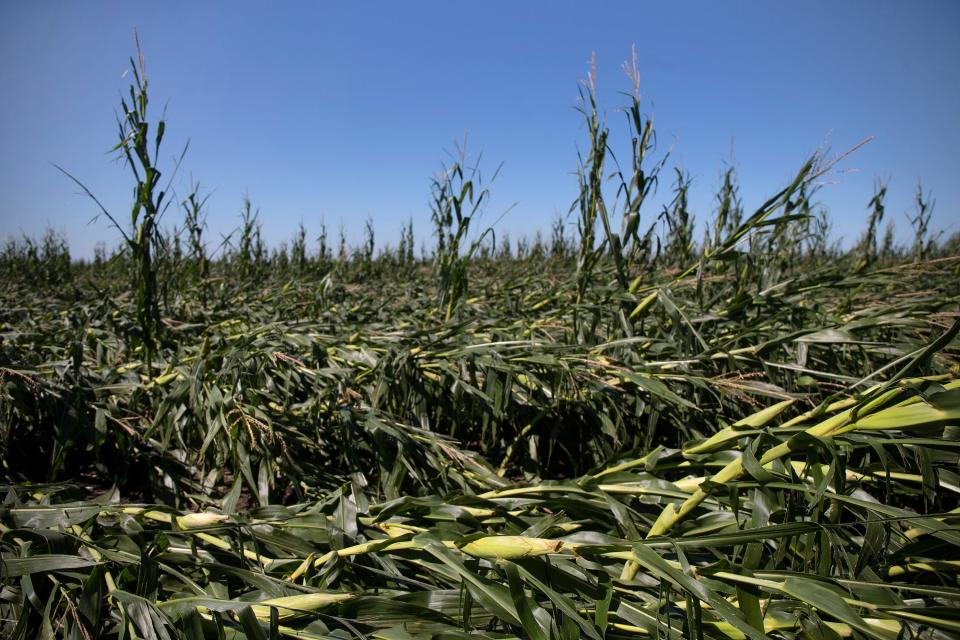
pixel 455 203
pixel 135 147
pixel 250 248
pixel 868 243
pixel 628 250
pixel 679 245
pixel 142 237
pixel 406 248
pixel 298 250
pixel 589 204
pixel 921 224
pixel 323 248
pixel 194 222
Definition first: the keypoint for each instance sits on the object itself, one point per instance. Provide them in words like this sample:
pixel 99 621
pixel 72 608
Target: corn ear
pixel 510 547
pixel 201 520
pixel 293 606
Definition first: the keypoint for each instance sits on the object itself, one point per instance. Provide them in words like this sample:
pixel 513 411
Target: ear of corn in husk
pixel 200 520
pixel 293 606
pixel 510 547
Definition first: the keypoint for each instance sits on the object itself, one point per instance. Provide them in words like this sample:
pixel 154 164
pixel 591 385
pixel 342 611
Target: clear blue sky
pixel 340 111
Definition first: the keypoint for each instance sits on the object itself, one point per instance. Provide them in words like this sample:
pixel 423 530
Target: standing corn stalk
pixel 642 179
pixel 143 237
pixel 251 246
pixel 194 224
pixel 922 246
pixel 455 205
pixel 627 249
pixel 589 202
pixel 134 146
pixel 868 244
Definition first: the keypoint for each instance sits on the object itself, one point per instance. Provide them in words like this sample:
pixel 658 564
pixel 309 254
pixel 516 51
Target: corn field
pixel 622 432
